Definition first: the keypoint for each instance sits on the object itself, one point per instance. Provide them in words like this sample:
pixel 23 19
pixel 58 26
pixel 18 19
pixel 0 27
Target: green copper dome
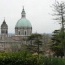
pixel 23 22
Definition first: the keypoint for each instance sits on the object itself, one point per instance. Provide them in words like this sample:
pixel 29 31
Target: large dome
pixel 23 26
pixel 23 22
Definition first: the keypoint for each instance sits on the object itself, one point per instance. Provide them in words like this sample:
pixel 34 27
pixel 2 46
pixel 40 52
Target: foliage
pixel 57 45
pixel 35 42
pixel 25 58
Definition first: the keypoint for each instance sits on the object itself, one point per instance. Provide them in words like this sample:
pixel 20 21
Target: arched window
pixel 25 32
pixel 2 31
pixel 19 32
pixel 6 31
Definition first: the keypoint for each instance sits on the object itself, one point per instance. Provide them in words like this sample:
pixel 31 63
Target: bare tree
pixel 59 13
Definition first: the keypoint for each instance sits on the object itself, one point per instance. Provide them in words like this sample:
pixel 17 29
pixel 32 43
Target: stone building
pixel 23 29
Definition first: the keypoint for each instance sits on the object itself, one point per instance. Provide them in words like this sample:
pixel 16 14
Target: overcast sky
pixel 37 12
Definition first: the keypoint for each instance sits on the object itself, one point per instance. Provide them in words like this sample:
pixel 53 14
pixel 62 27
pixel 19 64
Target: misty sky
pixel 37 12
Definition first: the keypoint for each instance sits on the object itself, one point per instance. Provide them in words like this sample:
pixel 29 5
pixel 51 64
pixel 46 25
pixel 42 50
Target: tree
pixel 38 42
pixel 59 12
pixel 31 38
pixel 57 46
pixel 35 41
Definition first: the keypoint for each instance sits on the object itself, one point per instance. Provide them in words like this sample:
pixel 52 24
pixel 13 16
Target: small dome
pixel 23 23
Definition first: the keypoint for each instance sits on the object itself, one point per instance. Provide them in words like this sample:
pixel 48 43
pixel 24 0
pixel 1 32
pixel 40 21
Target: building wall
pixel 10 46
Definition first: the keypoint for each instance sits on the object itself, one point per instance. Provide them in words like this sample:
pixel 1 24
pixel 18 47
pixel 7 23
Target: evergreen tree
pixel 35 42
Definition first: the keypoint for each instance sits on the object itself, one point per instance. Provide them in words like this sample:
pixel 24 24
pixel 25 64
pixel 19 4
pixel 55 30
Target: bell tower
pixel 4 30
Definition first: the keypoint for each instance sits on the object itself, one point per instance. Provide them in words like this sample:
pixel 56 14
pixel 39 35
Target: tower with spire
pixel 4 29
